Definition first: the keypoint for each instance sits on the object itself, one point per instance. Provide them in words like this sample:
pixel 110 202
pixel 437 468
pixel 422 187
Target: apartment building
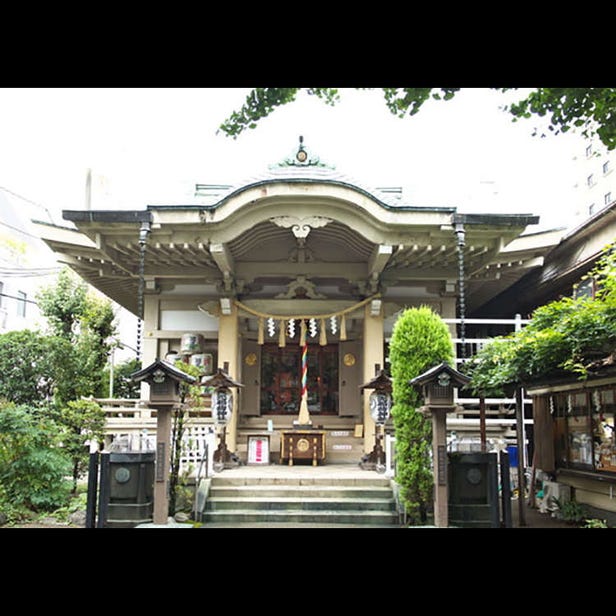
pixel 595 187
pixel 26 263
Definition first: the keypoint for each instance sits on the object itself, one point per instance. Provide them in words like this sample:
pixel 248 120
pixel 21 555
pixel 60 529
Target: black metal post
pixel 482 424
pixel 104 490
pixel 519 412
pixel 92 490
pixel 505 471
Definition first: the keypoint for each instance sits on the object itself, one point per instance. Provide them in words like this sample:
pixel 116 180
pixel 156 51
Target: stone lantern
pixel 437 388
pixel 164 380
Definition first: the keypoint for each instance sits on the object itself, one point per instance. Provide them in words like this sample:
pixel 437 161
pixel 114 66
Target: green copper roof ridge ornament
pixel 301 159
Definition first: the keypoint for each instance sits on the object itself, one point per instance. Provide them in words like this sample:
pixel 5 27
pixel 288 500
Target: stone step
pixel 295 504
pixel 301 480
pixel 273 518
pixel 309 491
pixel 288 499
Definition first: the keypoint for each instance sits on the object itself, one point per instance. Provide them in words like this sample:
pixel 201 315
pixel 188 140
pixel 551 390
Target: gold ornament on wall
pixel 349 359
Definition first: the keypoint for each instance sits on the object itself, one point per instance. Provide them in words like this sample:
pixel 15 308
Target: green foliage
pixel 33 467
pixel 78 502
pixel 64 303
pixel 593 110
pixel 420 340
pixel 590 109
pixel 84 322
pixel 403 101
pixel 28 367
pixel 190 396
pixel 570 511
pixel 595 523
pixel 123 385
pixel 564 337
pixel 262 101
pixel 80 421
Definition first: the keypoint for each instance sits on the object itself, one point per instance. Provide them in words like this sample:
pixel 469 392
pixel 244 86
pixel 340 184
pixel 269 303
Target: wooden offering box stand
pixel 302 444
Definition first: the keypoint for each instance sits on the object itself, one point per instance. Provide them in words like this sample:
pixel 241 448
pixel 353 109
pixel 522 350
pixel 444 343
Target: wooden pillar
pixel 372 355
pixel 161 473
pixel 228 351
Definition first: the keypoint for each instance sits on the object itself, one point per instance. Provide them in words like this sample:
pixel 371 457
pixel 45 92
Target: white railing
pixel 131 426
pixel 473 345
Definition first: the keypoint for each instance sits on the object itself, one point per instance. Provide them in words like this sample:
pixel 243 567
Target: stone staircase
pixel 299 502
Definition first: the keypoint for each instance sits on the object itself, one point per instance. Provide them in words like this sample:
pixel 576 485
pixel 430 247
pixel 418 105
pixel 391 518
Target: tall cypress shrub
pixel 420 340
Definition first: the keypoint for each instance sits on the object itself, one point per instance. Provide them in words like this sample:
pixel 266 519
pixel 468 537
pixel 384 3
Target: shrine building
pixel 242 275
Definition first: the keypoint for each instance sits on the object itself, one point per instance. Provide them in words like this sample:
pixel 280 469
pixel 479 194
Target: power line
pixel 4 224
pixel 19 299
pixel 11 192
pixel 28 272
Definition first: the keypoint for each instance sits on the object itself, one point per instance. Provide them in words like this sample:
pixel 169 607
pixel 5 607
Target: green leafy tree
pixel 28 366
pixel 123 385
pixel 86 323
pixel 64 303
pixel 33 467
pixel 566 337
pixel 420 340
pixel 592 110
pixel 82 421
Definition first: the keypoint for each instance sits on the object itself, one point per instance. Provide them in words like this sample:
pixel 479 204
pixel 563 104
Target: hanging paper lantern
pixel 222 405
pixel 380 406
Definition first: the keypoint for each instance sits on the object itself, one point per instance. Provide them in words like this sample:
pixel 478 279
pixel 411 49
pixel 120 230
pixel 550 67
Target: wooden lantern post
pixel 164 380
pixel 437 386
pixel 380 408
pixel 222 405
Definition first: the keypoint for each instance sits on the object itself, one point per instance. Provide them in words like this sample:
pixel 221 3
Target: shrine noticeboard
pixel 258 450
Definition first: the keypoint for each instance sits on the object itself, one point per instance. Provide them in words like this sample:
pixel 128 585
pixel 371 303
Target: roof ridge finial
pixel 301 158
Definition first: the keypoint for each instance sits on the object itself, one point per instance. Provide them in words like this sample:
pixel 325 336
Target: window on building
pixel 591 209
pixel 590 180
pixel 21 303
pixel 586 288
pixel 607 198
pixel 606 167
pixel 573 430
pixel 604 409
pixel 281 382
pixel 589 151
pixel 1 294
pixel 584 429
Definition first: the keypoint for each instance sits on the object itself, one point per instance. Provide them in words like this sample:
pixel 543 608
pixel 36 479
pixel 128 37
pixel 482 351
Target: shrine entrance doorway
pixel 272 378
pixel 281 379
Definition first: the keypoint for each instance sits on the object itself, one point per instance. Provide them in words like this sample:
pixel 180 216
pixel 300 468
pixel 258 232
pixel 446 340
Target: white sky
pixel 150 142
